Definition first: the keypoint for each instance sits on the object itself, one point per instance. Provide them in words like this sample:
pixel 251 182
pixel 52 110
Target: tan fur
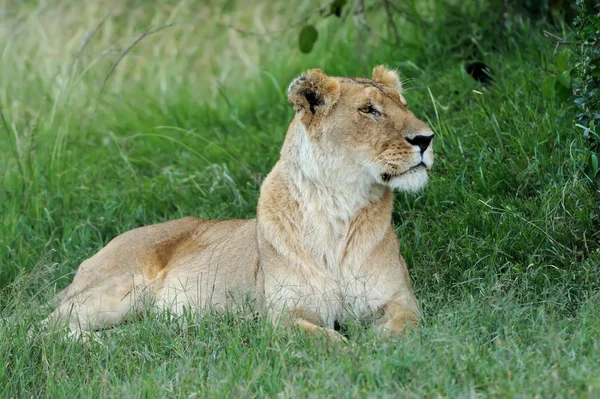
pixel 322 248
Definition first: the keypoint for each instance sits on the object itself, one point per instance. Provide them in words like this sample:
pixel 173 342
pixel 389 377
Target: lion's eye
pixel 369 109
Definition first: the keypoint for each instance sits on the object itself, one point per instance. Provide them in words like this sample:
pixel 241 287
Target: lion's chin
pixel 411 181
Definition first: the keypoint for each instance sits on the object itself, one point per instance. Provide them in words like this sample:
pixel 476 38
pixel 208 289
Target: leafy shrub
pixel 586 82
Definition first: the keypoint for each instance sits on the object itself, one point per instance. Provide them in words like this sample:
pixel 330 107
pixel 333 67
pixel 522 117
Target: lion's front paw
pixel 401 324
pixel 334 335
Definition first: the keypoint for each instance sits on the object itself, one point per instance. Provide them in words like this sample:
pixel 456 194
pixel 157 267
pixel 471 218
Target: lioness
pixel 321 248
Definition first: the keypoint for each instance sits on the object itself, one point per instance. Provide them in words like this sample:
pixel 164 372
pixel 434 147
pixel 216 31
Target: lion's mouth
pixel 386 177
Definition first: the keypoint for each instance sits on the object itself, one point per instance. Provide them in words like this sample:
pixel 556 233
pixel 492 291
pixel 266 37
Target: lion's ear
pixel 389 78
pixel 313 91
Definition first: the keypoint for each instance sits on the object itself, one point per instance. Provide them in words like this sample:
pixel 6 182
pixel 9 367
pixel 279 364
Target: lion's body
pixel 322 247
pixel 185 262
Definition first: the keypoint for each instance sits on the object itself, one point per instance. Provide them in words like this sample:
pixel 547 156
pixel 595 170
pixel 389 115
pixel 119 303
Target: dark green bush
pixel 586 81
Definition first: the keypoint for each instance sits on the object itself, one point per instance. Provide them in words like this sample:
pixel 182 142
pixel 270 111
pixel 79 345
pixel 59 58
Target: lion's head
pixel 365 125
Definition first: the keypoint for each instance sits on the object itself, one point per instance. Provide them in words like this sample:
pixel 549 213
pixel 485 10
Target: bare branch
pixel 295 24
pixel 114 66
pixel 559 41
pixel 360 21
pixel 391 22
pixel 86 40
pixel 127 50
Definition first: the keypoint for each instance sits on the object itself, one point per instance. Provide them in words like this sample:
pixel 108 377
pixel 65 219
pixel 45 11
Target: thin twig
pixel 360 23
pixel 391 22
pixel 282 30
pixel 114 66
pixel 86 40
pixel 559 41
pixel 361 17
pixel 127 50
pixel 268 33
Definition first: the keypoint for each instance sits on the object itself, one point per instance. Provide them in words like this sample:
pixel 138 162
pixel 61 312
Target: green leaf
pixel 562 92
pixel 308 37
pixel 594 162
pixel 564 79
pixel 548 86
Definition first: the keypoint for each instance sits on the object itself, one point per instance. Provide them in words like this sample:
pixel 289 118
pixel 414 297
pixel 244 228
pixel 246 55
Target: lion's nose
pixel 421 141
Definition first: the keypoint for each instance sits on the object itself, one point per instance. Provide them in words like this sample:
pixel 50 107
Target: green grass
pixel 503 245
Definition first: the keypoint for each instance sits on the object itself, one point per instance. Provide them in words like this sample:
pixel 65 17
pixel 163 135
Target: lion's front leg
pixel 398 316
pixel 310 322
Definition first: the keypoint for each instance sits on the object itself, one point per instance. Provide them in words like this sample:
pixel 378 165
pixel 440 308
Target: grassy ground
pixel 503 245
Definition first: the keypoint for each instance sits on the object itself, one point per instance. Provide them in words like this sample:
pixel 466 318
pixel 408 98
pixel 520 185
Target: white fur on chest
pixel 333 295
pixel 346 295
pixel 330 192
